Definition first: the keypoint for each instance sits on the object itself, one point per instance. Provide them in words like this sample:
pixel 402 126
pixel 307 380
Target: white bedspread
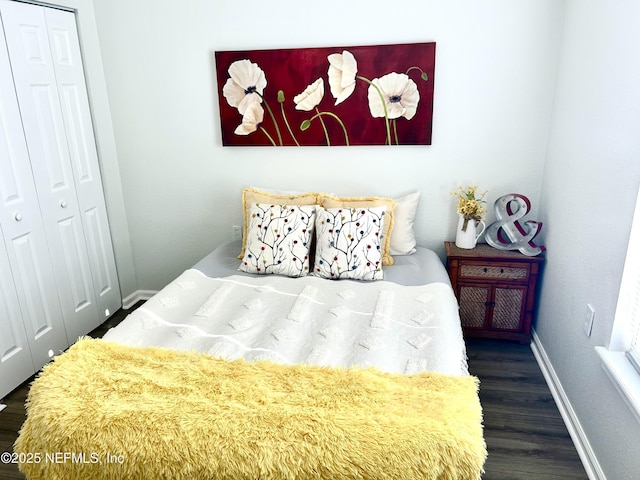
pixel 398 329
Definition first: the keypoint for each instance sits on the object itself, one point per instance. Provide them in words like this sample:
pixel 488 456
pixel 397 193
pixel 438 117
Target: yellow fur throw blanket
pixel 108 411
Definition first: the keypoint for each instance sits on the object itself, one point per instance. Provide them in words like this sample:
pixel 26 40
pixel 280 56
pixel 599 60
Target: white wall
pixel 591 178
pixel 495 71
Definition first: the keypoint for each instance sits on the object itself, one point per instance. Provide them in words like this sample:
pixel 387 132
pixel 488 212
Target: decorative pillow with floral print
pixel 331 201
pixel 349 243
pixel 278 239
pixel 252 196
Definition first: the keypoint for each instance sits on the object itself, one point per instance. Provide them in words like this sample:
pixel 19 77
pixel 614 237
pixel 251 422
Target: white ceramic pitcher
pixel 469 237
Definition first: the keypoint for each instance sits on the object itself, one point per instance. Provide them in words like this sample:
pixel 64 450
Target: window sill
pixel 625 378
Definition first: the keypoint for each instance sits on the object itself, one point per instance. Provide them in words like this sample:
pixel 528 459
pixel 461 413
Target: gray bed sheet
pixel 421 268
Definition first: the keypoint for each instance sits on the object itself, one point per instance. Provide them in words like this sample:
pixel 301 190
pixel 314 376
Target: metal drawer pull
pixel 63 204
pixel 17 217
pixel 485 270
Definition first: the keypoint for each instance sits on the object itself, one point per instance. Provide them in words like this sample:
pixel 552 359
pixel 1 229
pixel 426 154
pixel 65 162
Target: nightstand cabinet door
pixel 508 308
pixel 492 308
pixel 474 302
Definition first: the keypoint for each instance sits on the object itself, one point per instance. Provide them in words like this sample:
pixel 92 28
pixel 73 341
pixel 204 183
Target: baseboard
pixel 580 440
pixel 137 296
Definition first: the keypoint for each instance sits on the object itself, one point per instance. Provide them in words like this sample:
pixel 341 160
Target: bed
pixel 229 374
pixel 215 309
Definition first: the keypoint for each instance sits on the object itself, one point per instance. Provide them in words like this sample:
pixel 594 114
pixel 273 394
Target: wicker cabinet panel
pixel 495 290
pixel 473 306
pixel 508 307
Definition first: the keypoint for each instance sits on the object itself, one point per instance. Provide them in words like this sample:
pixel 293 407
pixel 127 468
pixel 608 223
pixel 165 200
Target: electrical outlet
pixel 236 231
pixel 590 315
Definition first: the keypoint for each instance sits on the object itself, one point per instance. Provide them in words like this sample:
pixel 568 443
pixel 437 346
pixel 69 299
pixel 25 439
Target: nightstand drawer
pixel 494 271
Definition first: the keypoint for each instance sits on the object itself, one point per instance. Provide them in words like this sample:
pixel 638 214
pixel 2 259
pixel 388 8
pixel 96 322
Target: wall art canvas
pixel 362 95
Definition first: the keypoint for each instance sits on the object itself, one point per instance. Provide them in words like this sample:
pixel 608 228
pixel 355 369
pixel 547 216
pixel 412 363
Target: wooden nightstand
pixel 495 290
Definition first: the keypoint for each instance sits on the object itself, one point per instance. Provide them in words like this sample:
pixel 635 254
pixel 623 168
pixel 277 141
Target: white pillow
pixel 403 236
pixel 278 239
pixel 251 196
pixel 348 243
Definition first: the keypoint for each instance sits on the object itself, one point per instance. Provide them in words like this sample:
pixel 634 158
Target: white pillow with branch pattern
pixel 349 243
pixel 278 239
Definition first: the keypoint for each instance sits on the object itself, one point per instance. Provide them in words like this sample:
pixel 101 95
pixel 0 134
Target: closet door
pixel 76 234
pixel 69 74
pixel 26 271
pixel 16 364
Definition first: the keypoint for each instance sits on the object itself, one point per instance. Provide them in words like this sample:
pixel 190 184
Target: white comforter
pixel 398 329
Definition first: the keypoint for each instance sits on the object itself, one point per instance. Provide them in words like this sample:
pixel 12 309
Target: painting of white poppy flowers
pixel 340 96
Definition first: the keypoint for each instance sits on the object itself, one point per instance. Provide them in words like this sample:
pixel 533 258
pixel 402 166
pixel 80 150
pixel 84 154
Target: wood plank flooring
pixel 524 431
pixel 525 434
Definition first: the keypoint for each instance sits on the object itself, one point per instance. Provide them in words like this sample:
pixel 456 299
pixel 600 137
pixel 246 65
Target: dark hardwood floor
pixel 525 434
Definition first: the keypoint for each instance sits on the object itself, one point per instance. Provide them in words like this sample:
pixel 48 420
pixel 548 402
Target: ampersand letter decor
pixel 507 233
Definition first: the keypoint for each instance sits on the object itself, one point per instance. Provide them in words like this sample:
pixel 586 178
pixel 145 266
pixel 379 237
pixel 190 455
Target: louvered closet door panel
pixel 37 92
pixel 27 264
pixel 69 73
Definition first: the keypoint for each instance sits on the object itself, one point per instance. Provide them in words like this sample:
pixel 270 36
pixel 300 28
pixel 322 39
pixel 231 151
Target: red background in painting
pixel 292 70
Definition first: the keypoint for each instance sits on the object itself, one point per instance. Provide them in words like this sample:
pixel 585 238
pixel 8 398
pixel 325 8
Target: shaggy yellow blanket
pixel 107 411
